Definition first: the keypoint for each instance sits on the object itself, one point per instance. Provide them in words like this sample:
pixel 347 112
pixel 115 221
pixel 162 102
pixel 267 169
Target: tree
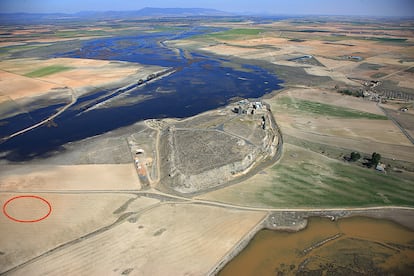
pixel 375 159
pixel 355 156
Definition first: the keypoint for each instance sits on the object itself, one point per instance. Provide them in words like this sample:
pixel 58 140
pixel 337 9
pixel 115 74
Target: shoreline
pixel 298 221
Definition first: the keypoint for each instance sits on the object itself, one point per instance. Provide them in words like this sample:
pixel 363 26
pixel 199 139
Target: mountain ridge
pixel 147 12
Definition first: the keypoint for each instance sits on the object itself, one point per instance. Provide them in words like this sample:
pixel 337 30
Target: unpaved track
pixel 167 199
pixel 49 119
pixel 403 130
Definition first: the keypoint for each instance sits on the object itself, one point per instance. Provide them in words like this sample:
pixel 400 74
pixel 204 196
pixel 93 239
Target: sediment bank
pixel 294 221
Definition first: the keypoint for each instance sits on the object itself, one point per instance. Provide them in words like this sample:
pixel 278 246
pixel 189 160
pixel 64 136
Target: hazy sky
pixel 337 7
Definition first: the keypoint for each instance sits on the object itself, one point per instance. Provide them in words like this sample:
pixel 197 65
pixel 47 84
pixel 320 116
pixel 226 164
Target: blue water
pixel 23 120
pixel 143 48
pixel 198 85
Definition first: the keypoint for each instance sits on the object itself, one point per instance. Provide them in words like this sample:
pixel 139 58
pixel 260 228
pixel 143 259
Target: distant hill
pixel 28 18
pixel 181 12
pixel 154 12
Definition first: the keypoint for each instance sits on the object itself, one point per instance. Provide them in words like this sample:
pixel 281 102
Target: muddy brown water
pixel 350 246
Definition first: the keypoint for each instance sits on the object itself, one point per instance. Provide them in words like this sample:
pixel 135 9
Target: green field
pixel 345 185
pixel 326 109
pixel 48 70
pixel 378 75
pixel 388 39
pixel 339 37
pixel 69 34
pixel 235 34
pixel 19 48
pixel 307 179
pixel 167 29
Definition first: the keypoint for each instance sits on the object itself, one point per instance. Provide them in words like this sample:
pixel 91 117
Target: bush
pixel 355 156
pixel 375 159
pixel 346 92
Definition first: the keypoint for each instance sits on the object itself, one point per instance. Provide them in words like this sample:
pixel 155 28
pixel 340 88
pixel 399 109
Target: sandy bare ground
pixel 392 151
pixel 82 72
pixel 328 54
pixel 320 47
pixel 6 44
pixel 333 98
pixel 16 86
pixel 171 239
pixel 75 177
pixel 360 135
pixel 278 49
pixel 72 216
pixel 404 79
pixel 357 134
pixel 335 75
pixel 59 39
pixel 229 50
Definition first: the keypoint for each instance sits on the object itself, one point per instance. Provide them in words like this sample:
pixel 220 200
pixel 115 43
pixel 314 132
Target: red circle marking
pixel 26 196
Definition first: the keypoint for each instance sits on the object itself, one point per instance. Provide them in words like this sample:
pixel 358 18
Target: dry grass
pixel 82 73
pixel 336 99
pixel 72 216
pixel 16 86
pixel 354 134
pixel 75 177
pixel 169 240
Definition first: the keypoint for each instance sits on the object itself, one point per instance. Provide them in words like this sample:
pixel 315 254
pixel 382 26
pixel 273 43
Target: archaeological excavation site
pixel 217 148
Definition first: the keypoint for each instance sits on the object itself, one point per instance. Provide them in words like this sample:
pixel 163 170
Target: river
pixel 349 246
pixel 198 84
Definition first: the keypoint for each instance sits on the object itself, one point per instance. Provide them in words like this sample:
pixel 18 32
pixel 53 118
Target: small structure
pixel 380 167
pixel 240 110
pixel 247 107
pixel 366 94
pixel 356 58
pixel 257 105
pixel 263 123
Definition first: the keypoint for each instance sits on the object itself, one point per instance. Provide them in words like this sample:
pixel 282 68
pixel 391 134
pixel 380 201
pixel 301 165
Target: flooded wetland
pixel 350 246
pixel 183 92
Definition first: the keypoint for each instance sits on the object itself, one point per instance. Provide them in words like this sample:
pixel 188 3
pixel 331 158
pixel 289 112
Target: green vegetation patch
pixel 388 39
pixel 306 179
pixel 167 29
pixel 326 109
pixel 48 70
pixel 235 33
pixel 378 75
pixel 297 40
pixel 80 33
pixel 339 184
pixel 19 48
pixel 339 37
pixel 369 66
pixel 410 70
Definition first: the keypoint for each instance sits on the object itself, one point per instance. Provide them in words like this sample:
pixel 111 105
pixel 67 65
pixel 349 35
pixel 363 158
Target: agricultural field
pixel 343 121
pixel 235 34
pixel 66 223
pixel 165 235
pixel 320 129
pixel 60 72
pixel 321 109
pixel 41 72
pixel 305 179
pixel 73 177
